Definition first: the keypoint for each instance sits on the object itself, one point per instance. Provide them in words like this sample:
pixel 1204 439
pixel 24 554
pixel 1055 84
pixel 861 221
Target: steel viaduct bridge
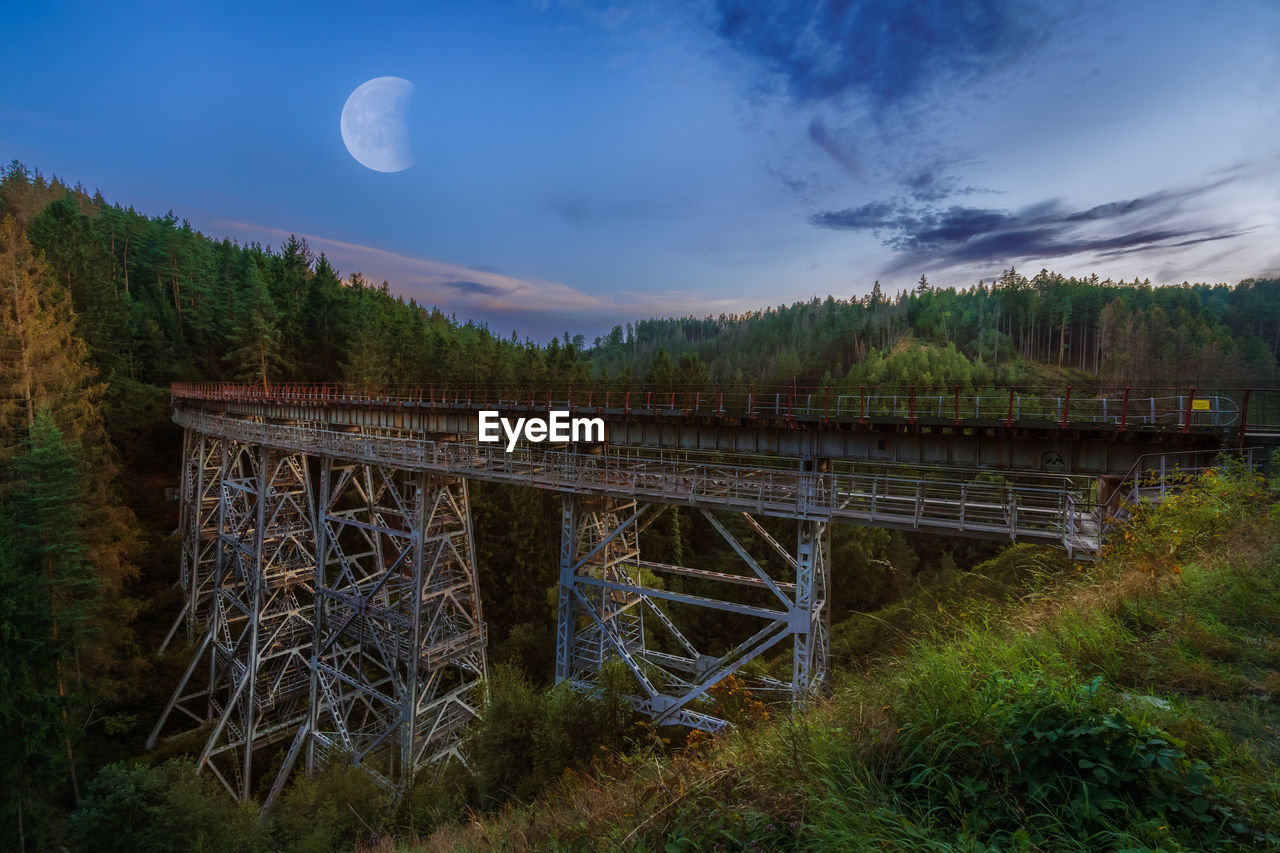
pixel 328 557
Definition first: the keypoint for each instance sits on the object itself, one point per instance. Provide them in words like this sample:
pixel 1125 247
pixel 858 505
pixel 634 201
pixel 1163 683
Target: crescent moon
pixel 374 126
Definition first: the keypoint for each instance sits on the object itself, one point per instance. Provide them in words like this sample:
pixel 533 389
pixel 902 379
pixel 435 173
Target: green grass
pixel 1131 705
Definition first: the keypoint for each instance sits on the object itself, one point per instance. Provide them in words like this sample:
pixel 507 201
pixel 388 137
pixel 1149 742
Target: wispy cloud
pixel 478 292
pixel 927 234
pixel 838 151
pixel 447 285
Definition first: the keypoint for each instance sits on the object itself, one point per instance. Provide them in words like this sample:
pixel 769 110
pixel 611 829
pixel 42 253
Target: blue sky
pixel 580 164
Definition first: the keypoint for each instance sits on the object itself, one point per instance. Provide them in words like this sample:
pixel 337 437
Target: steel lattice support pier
pixel 400 640
pixel 604 603
pixel 253 658
pixel 199 495
pixel 347 618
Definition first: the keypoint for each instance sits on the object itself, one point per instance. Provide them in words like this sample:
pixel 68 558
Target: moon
pixel 374 126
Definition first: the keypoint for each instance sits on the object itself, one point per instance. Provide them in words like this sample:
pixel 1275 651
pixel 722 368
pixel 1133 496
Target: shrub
pixel 527 738
pixel 1047 763
pixel 1201 511
pixel 441 794
pixel 133 807
pixel 333 810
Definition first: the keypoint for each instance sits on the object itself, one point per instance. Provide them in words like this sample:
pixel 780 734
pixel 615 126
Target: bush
pixel 530 646
pixel 1045 764
pixel 1198 513
pixel 441 794
pixel 527 738
pixel 131 807
pixel 333 810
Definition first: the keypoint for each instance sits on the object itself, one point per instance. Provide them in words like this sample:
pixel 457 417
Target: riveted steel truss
pixel 348 618
pixel 968 503
pixel 400 641
pixel 603 603
pixel 600 605
pixel 200 496
pixel 253 659
pixel 350 623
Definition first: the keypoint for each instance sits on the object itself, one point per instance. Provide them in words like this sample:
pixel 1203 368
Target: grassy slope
pixel 1126 705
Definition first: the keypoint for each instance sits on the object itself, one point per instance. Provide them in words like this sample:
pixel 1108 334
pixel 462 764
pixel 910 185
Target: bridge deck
pixel 999 429
pixel 972 503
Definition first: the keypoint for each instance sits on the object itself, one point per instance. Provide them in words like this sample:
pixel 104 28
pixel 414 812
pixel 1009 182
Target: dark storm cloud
pixel 1049 229
pixel 885 50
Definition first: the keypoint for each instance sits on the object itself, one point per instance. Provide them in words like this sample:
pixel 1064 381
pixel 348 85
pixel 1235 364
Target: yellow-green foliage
pixel 1188 519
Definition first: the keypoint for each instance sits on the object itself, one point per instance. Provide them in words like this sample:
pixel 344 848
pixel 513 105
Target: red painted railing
pixel 1174 409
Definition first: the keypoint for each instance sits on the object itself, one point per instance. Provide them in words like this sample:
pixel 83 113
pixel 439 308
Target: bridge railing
pixel 1120 409
pixel 967 502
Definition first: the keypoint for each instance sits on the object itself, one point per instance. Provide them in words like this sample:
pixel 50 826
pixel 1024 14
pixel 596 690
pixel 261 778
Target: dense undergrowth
pixel 1127 705
pixel 1029 704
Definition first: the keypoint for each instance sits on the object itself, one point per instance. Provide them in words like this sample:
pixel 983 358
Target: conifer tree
pixel 257 356
pixel 48 607
pixel 44 364
pixel 661 376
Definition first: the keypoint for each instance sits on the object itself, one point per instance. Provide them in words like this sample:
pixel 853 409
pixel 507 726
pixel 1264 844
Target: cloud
pixel 472 287
pixel 432 282
pixel 931 183
pixel 925 233
pixel 838 152
pixel 883 50
pixel 541 308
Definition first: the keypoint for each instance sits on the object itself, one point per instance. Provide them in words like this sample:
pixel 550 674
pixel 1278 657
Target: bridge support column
pixel 259 626
pixel 598 612
pixel 811 615
pixel 199 496
pixel 399 638
pixel 605 605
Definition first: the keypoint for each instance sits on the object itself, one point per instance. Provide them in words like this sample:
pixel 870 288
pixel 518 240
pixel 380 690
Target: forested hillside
pixel 102 306
pixel 1011 330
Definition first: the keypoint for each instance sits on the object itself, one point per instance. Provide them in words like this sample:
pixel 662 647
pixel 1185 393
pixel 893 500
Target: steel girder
pixel 253 658
pixel 603 601
pixel 976 504
pixel 599 543
pixel 399 636
pixel 199 494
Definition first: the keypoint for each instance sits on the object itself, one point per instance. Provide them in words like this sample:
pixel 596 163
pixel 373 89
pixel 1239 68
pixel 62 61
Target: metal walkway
pixel 976 503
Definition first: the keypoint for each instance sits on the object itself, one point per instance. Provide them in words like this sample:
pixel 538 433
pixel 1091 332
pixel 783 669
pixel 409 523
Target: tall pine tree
pixel 258 356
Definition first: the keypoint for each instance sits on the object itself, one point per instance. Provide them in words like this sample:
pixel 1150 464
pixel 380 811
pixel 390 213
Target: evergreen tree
pixel 45 365
pixel 48 606
pixel 44 362
pixel 257 355
pixel 661 377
